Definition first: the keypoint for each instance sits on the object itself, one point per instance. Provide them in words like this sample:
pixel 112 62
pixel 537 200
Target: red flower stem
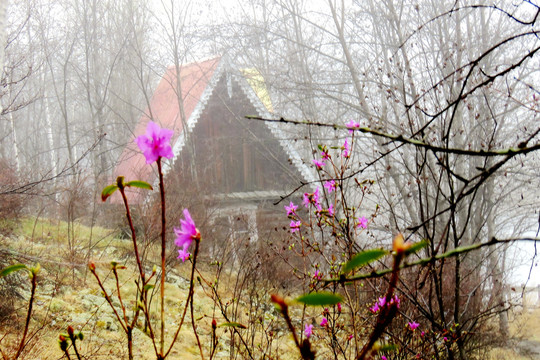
pixel 388 311
pixel 107 297
pixel 67 354
pixel 133 234
pixel 28 315
pixel 195 253
pixel 189 298
pixel 163 223
pixel 119 294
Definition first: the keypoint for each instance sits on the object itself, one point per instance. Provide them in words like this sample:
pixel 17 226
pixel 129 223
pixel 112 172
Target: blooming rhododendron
pixel 291 208
pixel 413 325
pixel 324 322
pixel 346 149
pixel 351 125
pixel 331 210
pixel 186 234
pixel 362 222
pixel 318 163
pixel 330 185
pixel 155 143
pixel 295 226
pixel 308 330
pixel 312 198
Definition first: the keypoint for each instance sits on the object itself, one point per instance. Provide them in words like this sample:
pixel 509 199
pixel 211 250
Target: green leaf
pixel 363 258
pixel 322 299
pixel 417 247
pixel 108 191
pixel 388 347
pixel 148 287
pixel 8 270
pixel 233 324
pixel 139 184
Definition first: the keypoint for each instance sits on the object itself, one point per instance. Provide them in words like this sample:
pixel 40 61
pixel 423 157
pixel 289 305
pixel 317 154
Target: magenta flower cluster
pixel 185 235
pixel 155 143
pixel 381 303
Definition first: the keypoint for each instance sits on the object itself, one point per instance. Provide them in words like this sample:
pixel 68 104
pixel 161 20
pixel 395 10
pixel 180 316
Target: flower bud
pixel 70 332
pixel 214 324
pixel 92 266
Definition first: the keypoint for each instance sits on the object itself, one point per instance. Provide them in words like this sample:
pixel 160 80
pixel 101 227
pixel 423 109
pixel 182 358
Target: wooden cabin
pixel 241 166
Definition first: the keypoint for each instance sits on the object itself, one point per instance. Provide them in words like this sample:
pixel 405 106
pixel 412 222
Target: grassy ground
pixel 525 337
pixel 68 295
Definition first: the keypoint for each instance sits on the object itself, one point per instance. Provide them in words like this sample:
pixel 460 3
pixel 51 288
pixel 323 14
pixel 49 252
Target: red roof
pixel 164 110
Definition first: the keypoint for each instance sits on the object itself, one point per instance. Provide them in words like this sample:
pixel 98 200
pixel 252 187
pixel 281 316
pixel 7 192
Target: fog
pixel 441 100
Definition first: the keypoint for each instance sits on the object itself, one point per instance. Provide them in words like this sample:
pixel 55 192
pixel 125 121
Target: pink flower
pixel 312 198
pixel 351 125
pixel 316 197
pixel 362 222
pixel 383 357
pixel 295 226
pixel 325 155
pixel 291 208
pixel 346 149
pixel 183 255
pixel 381 303
pixel 155 143
pixel 324 322
pixel 317 274
pixel 413 325
pixel 308 330
pixel 350 337
pixel 186 234
pixel 339 307
pixel 318 163
pixel 330 185
pixel 331 211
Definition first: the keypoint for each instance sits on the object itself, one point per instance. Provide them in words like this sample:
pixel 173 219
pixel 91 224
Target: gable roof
pixel 198 81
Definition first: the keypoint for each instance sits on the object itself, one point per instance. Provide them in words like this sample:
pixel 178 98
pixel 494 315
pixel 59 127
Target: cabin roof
pixel 198 81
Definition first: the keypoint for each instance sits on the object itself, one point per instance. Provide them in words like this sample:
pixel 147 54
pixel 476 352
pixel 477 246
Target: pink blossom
pixel 331 211
pixel 330 185
pixel 350 337
pixel 413 325
pixel 352 125
pixel 346 149
pixel 183 255
pixel 186 234
pixel 381 303
pixel 295 226
pixel 383 357
pixel 307 199
pixel 324 322
pixel 325 155
pixel 291 208
pixel 312 198
pixel 362 222
pixel 318 163
pixel 308 330
pixel 339 307
pixel 155 143
pixel 316 197
pixel 317 274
